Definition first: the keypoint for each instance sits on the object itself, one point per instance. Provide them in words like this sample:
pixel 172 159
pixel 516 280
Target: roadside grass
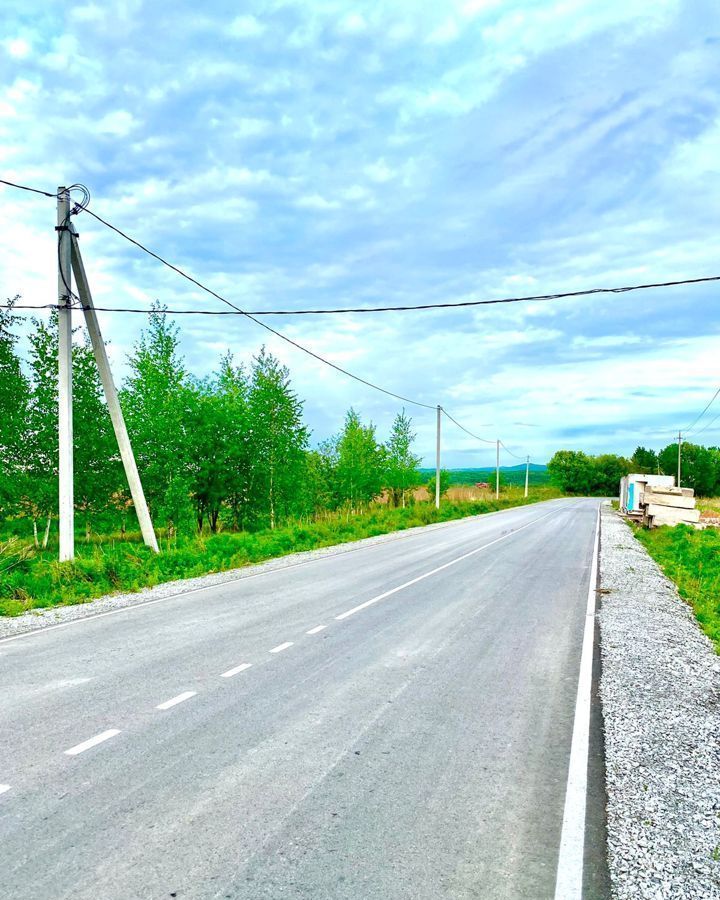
pixel 34 579
pixel 692 560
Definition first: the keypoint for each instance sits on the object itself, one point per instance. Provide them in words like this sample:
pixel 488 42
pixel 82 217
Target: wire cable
pixel 24 187
pixel 463 428
pixel 252 318
pixel 508 450
pixel 697 419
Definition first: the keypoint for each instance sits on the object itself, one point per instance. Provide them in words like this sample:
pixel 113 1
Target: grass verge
pixel 692 560
pixel 31 579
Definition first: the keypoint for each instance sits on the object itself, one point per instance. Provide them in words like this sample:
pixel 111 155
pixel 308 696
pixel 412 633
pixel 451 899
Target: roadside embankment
pixel 660 692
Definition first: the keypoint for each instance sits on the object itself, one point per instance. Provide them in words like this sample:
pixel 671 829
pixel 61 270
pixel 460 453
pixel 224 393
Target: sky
pixel 329 154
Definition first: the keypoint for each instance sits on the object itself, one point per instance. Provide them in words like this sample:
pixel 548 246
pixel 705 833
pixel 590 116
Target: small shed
pixel 632 488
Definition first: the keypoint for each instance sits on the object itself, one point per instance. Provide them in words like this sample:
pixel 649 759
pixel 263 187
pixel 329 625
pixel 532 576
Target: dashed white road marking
pixel 569 879
pixel 281 647
pixel 316 629
pixel 186 695
pixel 92 742
pixel 236 670
pixel 4 787
pixel 401 587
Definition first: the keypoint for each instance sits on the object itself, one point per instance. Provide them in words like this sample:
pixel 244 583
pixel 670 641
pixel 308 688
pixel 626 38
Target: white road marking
pixel 569 880
pixel 401 587
pixel 236 670
pixel 4 787
pixel 392 536
pixel 316 629
pixel 93 742
pixel 186 695
pixel 281 647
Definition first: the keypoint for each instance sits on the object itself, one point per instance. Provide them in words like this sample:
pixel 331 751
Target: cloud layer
pixel 315 154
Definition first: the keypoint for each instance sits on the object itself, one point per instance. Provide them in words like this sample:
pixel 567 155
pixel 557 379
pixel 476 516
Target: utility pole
pixel 497 470
pixel 527 474
pixel 437 460
pixel 111 398
pixel 66 505
pixel 679 455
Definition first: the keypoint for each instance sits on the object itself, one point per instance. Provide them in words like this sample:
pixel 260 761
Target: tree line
pixel 576 472
pixel 229 450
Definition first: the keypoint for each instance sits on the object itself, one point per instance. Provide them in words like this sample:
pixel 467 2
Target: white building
pixel 632 487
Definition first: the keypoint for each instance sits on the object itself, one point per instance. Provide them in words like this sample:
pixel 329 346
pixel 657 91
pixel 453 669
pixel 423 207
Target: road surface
pixel 312 731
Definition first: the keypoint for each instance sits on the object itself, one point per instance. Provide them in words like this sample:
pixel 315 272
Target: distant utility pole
pixel 437 460
pixel 497 470
pixel 679 455
pixel 66 506
pixel 527 474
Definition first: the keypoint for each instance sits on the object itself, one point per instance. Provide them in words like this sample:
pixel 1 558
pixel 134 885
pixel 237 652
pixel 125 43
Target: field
pixel 509 475
pixel 32 579
pixel 692 560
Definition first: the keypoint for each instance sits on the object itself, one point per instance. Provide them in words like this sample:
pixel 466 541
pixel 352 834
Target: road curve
pixel 389 723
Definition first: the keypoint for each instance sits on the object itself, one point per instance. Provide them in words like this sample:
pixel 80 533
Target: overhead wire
pixel 463 428
pixel 697 418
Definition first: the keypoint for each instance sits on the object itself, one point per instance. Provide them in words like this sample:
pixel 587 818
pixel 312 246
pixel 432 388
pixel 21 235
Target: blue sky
pixel 335 154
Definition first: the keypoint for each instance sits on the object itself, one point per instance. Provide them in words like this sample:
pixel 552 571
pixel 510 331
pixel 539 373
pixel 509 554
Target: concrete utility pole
pixel 527 474
pixel 679 455
pixel 66 505
pixel 497 470
pixel 111 398
pixel 437 460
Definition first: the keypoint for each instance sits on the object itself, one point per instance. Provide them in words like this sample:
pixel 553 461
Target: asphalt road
pixel 415 748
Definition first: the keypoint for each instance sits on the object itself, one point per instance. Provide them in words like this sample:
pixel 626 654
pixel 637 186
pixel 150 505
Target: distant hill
pixel 508 474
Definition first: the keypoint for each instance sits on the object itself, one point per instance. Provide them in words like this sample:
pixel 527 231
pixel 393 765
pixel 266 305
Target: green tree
pixel 644 461
pixel 278 440
pixel 360 469
pixel 700 469
pixel 14 406
pixel 572 471
pixel 233 389
pixel 402 465
pixel 444 484
pixel 609 469
pixel 156 400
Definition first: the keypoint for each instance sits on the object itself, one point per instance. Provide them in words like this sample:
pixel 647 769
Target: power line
pixel 697 419
pixel 24 187
pixel 463 428
pixel 511 452
pixel 706 427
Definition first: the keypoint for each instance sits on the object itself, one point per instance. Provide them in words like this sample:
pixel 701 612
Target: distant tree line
pixel 576 472
pixel 230 450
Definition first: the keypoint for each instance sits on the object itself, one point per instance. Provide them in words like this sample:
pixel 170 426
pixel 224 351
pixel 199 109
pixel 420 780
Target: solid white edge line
pixel 186 695
pixel 317 629
pixel 4 787
pixel 236 670
pixel 453 562
pixel 569 879
pixel 281 647
pixel 145 603
pixel 92 742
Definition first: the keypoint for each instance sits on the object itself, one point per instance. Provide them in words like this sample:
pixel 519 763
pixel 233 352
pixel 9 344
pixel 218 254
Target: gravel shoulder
pixel 660 693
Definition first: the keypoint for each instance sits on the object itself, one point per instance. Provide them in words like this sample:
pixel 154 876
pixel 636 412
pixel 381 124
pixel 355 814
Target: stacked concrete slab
pixel 662 505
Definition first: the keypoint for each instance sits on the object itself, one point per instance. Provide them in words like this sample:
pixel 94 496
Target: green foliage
pixel 14 406
pixel 444 483
pixel 402 473
pixel 700 467
pixel 692 560
pixel 32 579
pixel 574 472
pixel 644 461
pixel 360 463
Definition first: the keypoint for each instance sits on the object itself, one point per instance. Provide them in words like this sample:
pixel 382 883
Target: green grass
pixel 31 579
pixel 692 560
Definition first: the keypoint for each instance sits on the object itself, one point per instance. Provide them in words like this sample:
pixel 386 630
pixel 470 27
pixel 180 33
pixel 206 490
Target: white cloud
pixel 316 201
pixel 18 48
pixel 245 27
pixel 353 23
pixel 117 124
pixel 445 33
pixel 379 172
pixel 88 13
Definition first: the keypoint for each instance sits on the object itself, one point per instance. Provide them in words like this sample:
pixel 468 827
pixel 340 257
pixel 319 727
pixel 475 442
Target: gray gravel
pixel 56 615
pixel 660 691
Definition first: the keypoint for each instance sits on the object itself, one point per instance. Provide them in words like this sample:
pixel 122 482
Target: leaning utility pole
pixel 679 455
pixel 66 505
pixel 527 474
pixel 111 398
pixel 437 460
pixel 497 470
